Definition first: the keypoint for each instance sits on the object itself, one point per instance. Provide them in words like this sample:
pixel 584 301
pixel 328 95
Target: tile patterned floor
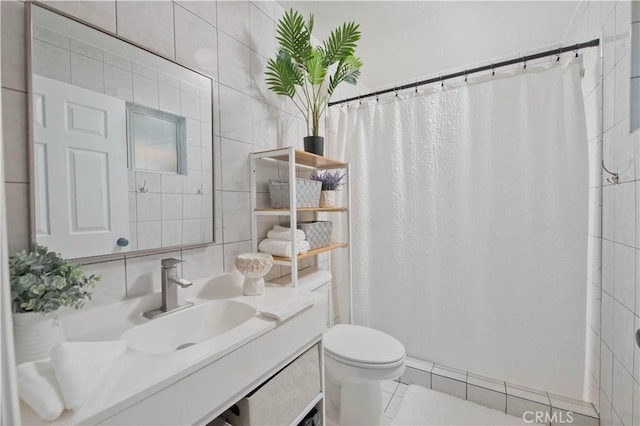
pixel 392 393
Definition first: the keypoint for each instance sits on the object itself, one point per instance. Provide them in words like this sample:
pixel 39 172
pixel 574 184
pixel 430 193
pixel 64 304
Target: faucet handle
pixel 170 262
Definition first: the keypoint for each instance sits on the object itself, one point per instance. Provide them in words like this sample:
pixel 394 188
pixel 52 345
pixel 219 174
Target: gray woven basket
pixel 318 234
pixel 307 193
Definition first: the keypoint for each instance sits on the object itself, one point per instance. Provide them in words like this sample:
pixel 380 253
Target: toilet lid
pixel 362 345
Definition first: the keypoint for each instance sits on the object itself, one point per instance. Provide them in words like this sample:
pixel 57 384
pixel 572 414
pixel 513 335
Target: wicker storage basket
pixel 307 193
pixel 318 234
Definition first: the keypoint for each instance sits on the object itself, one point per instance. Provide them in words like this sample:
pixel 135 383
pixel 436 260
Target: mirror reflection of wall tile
pixel 118 82
pixel 149 235
pixel 87 73
pixel 51 61
pixel 145 91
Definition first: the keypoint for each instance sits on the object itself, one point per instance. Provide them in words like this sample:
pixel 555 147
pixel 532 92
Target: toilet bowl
pixel 357 360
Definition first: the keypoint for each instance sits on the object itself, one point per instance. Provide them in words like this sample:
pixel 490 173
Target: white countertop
pixel 138 375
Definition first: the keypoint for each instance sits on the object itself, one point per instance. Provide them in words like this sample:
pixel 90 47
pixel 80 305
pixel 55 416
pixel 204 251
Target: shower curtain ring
pixel 441 82
pixel 524 68
pixel 615 177
pixel 465 76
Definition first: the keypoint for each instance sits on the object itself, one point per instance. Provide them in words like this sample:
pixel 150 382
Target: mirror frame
pixel 30 137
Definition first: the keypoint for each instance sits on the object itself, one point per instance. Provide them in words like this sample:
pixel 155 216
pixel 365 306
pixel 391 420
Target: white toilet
pixel 357 360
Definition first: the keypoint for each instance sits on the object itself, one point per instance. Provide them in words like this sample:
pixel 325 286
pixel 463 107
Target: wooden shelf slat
pixel 301 210
pixel 314 252
pixel 305 159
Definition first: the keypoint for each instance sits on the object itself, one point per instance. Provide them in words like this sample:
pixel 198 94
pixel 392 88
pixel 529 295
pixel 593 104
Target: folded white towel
pixel 81 367
pixel 282 247
pixel 285 310
pixel 299 232
pixel 38 388
pixel 283 235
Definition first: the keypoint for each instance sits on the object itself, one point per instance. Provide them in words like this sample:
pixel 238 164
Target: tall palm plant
pixel 300 70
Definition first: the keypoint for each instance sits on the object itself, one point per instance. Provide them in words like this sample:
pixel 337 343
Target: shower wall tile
pixel 620 293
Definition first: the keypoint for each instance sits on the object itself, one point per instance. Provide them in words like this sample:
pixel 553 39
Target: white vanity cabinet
pixel 207 392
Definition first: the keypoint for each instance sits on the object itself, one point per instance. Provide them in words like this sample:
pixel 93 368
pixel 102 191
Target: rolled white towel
pixel 38 388
pixel 300 235
pixel 284 310
pixel 282 247
pixel 81 367
pixel 283 235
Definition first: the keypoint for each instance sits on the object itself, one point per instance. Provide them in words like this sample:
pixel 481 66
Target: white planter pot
pixel 329 199
pixel 35 335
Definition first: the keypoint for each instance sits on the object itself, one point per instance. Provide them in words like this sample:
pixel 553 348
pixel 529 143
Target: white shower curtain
pixel 469 213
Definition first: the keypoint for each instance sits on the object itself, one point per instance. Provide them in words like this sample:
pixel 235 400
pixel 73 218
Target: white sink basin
pixel 188 327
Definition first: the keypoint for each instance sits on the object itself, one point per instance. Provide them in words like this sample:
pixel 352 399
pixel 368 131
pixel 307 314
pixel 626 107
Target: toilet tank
pixel 311 279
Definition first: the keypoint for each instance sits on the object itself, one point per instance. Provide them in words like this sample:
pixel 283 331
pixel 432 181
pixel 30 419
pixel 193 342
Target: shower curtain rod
pixel 573 48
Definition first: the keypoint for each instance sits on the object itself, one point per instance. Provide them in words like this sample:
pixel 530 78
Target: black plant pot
pixel 314 144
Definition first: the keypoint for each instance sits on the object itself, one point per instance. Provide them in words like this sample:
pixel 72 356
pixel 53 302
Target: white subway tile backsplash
pixel 231 251
pixel 236 216
pixel 202 262
pixel 112 286
pixel 265 118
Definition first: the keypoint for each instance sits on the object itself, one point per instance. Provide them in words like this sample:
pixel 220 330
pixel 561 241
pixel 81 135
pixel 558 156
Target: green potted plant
pixel 331 182
pixel 42 282
pixel 309 75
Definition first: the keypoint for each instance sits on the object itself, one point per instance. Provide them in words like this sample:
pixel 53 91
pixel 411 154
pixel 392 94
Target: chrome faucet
pixel 170 283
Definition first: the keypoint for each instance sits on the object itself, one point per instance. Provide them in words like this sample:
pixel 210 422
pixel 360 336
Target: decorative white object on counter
pixel 35 335
pixel 254 266
pixel 329 199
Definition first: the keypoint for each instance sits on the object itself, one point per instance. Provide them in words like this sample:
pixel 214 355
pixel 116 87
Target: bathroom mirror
pixel 121 143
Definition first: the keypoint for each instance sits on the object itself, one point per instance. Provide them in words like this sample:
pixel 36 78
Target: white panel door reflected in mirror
pixel 118 137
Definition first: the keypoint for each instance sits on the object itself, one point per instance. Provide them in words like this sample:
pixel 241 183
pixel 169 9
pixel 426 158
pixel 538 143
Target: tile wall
pixel 499 395
pixel 613 379
pixel 227 40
